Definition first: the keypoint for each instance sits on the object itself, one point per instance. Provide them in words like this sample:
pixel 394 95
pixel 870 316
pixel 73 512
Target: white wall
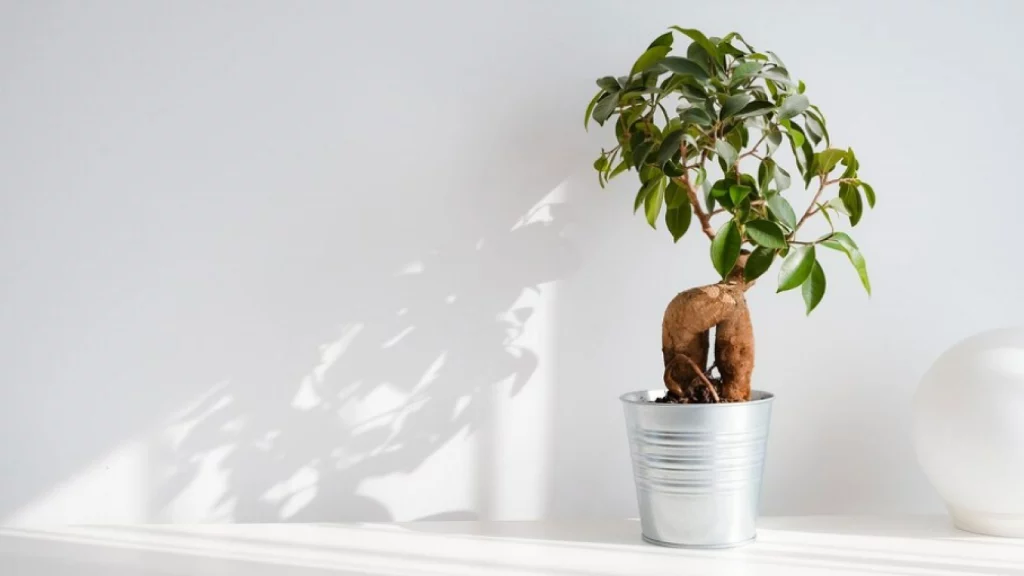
pixel 347 260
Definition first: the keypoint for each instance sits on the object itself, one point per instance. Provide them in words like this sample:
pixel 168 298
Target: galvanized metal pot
pixel 697 468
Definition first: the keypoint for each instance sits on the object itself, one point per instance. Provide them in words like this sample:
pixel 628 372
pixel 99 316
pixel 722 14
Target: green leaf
pixel 814 287
pixel 756 108
pixel 669 147
pixel 819 121
pixel 814 128
pixel 796 267
pixel 744 71
pixel 778 75
pixel 759 261
pixel 781 178
pixel 765 173
pixel 653 201
pixel 622 167
pixel 869 192
pixel 738 193
pixel 766 233
pixel 709 195
pixel 801 87
pixel 601 164
pixel 695 115
pixel 684 67
pixel 842 242
pixel 605 107
pixel 663 40
pixel 641 151
pixel 837 205
pixel 675 196
pixel 735 103
pixel 793 106
pixel 795 136
pixel 726 151
pixel 608 83
pixel 641 194
pixel 649 58
pixel 850 196
pixel 678 220
pixel 782 210
pixel 701 40
pixel 590 109
pixel 826 160
pixel 774 140
pixel 725 248
pixel 672 169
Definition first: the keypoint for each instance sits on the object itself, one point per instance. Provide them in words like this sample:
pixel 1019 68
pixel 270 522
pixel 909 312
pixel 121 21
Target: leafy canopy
pixel 723 111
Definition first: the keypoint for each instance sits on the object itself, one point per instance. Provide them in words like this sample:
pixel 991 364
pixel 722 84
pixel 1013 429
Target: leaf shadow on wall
pixel 411 363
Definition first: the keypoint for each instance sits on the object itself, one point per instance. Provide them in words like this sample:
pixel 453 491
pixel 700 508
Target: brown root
pixel 685 341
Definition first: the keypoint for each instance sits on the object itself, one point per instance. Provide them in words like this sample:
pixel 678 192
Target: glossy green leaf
pixel 675 196
pixel 672 169
pixel 850 196
pixel 726 151
pixel 801 87
pixel 641 151
pixel 669 147
pixel 605 107
pixel 796 267
pixel 738 192
pixel 756 108
pixel 725 248
pixel 622 167
pixel 608 83
pixel 782 179
pixel 649 58
pixel 778 75
pixel 759 261
pixel 826 160
pixel 695 115
pixel 774 141
pixel 653 201
pixel 795 136
pixel 745 71
pixel 781 209
pixel 793 106
pixel 837 205
pixel 735 103
pixel 678 220
pixel 814 287
pixel 869 193
pixel 842 242
pixel 641 194
pixel 765 174
pixel 698 37
pixel 601 164
pixel 590 109
pixel 814 128
pixel 766 233
pixel 684 67
pixel 663 40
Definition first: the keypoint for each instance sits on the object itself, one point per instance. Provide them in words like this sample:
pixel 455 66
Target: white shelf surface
pixel 790 546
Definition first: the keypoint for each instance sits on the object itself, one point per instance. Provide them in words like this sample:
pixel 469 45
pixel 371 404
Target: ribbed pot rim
pixel 642 398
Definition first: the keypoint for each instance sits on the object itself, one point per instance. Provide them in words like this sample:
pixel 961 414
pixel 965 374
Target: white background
pixel 348 260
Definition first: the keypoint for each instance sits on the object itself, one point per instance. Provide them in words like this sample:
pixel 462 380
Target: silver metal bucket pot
pixel 697 468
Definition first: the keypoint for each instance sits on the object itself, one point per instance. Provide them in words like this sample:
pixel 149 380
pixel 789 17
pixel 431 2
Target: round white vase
pixel 968 430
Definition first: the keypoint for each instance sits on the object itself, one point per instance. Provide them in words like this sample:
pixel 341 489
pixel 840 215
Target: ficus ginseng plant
pixel 703 132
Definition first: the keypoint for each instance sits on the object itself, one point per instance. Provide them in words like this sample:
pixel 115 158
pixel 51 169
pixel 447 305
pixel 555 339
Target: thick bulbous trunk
pixel 685 341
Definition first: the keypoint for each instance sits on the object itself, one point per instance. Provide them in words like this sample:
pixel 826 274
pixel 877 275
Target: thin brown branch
pixel 698 209
pixel 700 374
pixel 810 209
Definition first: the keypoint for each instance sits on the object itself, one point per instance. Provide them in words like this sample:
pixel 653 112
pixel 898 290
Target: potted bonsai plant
pixel 706 129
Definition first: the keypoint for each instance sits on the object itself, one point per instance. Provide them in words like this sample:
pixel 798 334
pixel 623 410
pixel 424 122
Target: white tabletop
pixel 785 546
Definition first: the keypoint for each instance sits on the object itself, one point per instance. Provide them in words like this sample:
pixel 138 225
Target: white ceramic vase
pixel 969 431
